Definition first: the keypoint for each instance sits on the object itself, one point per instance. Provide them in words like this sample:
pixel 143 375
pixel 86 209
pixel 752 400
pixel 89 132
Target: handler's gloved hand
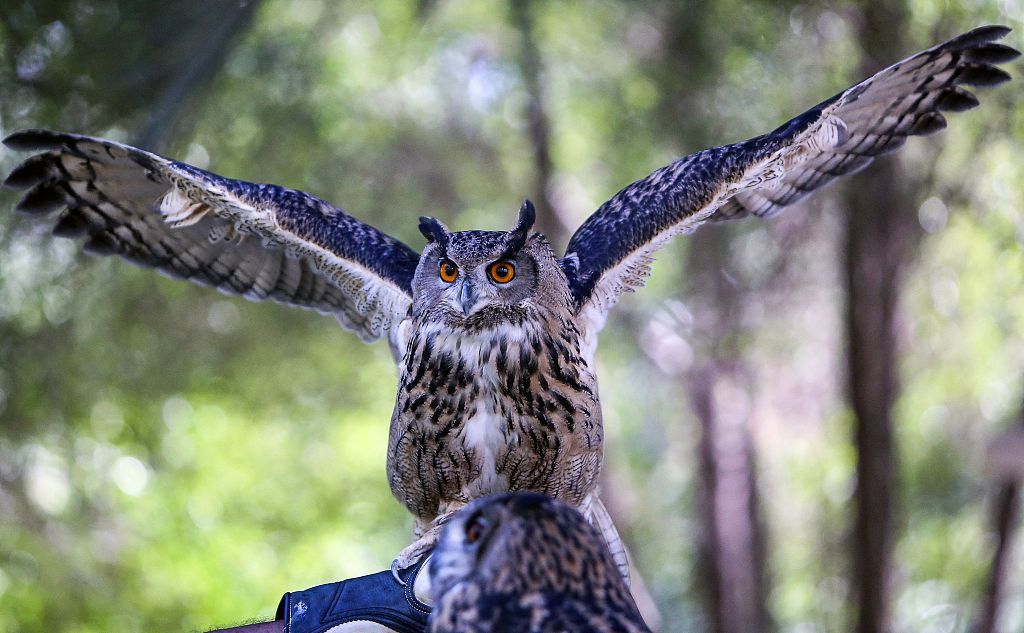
pixel 368 604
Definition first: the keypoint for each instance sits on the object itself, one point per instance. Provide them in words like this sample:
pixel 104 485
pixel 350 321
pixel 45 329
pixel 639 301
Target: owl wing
pixel 611 252
pixel 258 241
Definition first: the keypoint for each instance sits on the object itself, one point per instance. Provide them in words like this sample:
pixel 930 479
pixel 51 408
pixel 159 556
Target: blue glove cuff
pixel 375 598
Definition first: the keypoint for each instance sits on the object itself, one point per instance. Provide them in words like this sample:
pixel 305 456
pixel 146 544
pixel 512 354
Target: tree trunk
pixel 1006 517
pixel 549 222
pixel 732 538
pixel 880 233
pixel 732 542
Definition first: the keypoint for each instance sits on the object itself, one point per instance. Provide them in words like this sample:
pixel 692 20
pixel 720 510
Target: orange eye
pixel 475 529
pixel 502 271
pixel 448 271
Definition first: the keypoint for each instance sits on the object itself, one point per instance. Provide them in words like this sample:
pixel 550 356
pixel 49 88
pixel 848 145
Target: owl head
pixel 518 544
pixel 481 279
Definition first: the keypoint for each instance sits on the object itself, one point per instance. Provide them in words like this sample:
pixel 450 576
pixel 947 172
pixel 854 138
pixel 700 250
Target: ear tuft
pixel 521 231
pixel 434 231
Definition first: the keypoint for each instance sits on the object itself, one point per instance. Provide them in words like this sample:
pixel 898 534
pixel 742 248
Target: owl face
pixel 484 279
pixel 524 542
pixel 479 539
pixel 462 544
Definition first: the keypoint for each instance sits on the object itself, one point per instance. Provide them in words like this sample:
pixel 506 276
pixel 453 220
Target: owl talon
pixel 394 572
pixel 413 554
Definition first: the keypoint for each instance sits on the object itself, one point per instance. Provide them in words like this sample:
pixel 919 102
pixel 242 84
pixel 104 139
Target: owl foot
pixel 419 548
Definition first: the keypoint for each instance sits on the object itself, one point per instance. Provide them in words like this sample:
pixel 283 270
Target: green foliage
pixel 171 459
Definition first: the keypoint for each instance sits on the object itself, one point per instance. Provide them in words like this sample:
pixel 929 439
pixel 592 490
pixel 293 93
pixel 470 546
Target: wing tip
pixel 35 139
pixel 978 36
pixel 992 53
pixel 26 175
pixel 956 99
pixel 71 225
pixel 41 200
pixel 981 75
pixel 101 244
pixel 992 31
pixel 927 124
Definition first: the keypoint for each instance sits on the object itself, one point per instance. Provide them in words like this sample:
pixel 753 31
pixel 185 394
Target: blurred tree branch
pixel 130 64
pixel 209 36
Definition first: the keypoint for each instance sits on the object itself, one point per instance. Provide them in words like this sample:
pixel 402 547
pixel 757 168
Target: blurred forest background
pixel 172 459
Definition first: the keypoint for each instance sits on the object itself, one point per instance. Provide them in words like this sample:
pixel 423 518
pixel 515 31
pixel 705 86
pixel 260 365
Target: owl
pixel 493 333
pixel 526 562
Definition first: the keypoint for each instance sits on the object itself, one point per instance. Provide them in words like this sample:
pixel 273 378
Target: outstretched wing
pixel 258 241
pixel 611 252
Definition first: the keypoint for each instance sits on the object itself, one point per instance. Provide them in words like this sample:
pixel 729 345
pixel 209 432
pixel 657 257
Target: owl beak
pixel 468 297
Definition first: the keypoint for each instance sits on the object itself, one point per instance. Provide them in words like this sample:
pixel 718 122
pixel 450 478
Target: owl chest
pixel 495 413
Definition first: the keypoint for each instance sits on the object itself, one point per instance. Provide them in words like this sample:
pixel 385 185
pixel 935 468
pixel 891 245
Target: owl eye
pixel 502 271
pixel 448 271
pixel 475 529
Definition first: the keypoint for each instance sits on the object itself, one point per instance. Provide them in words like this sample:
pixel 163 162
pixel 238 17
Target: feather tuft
pixel 434 231
pixel 521 231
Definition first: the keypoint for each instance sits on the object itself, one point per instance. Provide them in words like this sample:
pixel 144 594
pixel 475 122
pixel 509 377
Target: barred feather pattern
pixel 255 240
pixel 526 562
pixel 612 251
pixel 510 408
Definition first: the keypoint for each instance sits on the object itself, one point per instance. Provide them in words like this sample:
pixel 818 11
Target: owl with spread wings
pixel 493 333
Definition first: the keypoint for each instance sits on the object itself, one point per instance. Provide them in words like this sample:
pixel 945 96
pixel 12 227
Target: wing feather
pixel 611 252
pixel 255 240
